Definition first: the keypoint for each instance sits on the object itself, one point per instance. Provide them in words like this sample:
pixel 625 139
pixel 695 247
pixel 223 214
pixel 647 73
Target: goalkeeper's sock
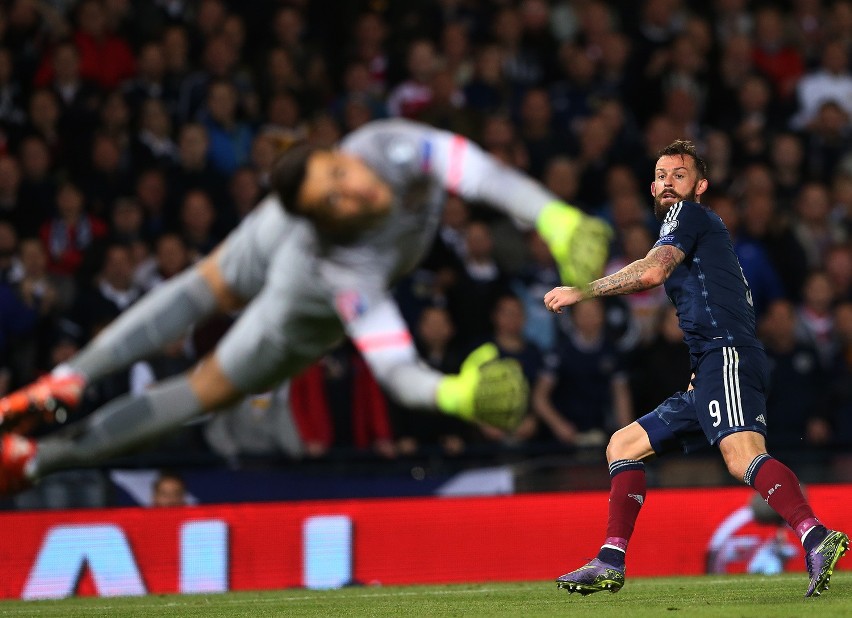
pixel 626 496
pixel 121 424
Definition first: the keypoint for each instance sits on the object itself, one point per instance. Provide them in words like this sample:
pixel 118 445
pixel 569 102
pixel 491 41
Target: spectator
pixel 798 388
pixel 43 116
pixel 171 257
pixel 70 232
pixel 230 137
pixel 487 90
pixel 244 191
pixel 446 109
pixel 838 267
pixel 773 53
pixel 168 490
pixel 150 81
pixel 358 89
pixel 10 265
pixel 841 376
pixel 153 146
pixel 763 280
pixel 583 390
pixel 414 94
pixel 435 337
pixel 105 58
pixel 111 293
pixel 12 207
pixel 830 82
pixel 479 284
pixel 219 64
pixel 661 365
pixel 194 170
pixel 536 278
pixel 262 424
pixel 813 228
pixel 787 156
pixel 151 194
pixel 48 294
pixel 38 184
pixel 815 323
pixel 509 324
pixel 78 97
pixel 175 43
pixel 368 47
pixel 198 220
pixel 107 178
pixel 827 141
pixel 11 95
pixel 764 223
pixel 356 414
pixel 541 138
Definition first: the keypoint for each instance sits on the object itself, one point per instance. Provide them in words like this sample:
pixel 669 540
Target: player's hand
pixel 557 298
pixel 488 389
pixel 579 243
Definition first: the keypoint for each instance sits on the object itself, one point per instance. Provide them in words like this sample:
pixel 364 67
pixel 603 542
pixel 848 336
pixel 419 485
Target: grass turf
pixel 740 596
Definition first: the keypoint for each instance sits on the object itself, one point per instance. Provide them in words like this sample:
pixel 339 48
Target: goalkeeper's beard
pixel 660 209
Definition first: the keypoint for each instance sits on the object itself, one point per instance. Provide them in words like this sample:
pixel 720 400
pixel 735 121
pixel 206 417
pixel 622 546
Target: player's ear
pixel 653 189
pixel 701 187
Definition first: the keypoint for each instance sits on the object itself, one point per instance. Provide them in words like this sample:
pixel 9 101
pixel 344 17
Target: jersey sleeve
pixel 372 320
pixel 682 226
pixel 455 162
pixel 463 168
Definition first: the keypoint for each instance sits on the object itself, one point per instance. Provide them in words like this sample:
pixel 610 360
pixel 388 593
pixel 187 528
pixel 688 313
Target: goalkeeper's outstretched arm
pixel 579 243
pixel 487 389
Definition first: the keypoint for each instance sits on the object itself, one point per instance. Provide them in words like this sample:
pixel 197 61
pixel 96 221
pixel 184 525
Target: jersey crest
pixel 667 228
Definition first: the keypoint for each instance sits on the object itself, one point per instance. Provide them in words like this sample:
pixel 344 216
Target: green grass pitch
pixel 740 596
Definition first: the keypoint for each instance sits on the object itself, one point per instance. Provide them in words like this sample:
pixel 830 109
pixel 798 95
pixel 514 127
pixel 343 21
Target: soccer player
pixel 725 403
pixel 316 267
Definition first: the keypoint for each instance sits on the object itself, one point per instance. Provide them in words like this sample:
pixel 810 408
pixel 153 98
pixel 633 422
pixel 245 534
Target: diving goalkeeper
pixel 314 265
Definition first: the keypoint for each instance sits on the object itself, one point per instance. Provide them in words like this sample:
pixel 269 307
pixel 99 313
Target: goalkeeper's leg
pixel 134 420
pixel 265 345
pixel 160 317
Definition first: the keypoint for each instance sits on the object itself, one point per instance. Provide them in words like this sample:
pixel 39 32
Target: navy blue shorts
pixel 728 395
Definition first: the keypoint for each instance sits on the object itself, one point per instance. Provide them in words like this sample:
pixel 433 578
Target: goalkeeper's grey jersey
pixel 316 290
pixel 422 164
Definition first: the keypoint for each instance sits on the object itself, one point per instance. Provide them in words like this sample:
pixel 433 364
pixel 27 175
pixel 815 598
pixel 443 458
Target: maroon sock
pixel 626 496
pixel 778 485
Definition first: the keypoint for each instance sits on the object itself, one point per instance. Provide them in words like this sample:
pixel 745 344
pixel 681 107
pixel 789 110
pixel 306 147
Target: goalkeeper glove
pixel 579 243
pixel 488 389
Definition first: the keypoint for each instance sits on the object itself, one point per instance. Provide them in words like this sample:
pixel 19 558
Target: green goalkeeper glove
pixel 579 243
pixel 488 389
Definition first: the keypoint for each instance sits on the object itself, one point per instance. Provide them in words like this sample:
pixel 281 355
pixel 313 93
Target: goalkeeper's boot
pixel 596 576
pixel 578 242
pixel 15 453
pixel 49 399
pixel 822 559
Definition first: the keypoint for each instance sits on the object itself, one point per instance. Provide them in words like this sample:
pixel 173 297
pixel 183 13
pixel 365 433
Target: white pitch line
pixel 193 601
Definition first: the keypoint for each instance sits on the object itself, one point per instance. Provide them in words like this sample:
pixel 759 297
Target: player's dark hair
pixel 288 173
pixel 685 148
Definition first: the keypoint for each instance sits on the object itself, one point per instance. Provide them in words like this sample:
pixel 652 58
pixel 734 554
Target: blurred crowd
pixel 135 135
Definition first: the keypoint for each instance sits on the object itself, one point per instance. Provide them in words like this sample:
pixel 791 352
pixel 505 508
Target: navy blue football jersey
pixel 712 296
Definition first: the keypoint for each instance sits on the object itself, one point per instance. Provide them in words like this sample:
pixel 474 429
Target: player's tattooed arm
pixel 649 272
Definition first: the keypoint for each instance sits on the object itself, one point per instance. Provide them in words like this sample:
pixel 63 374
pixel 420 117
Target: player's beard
pixel 660 210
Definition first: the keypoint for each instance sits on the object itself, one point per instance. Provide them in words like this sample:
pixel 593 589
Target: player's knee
pixel 737 467
pixel 618 446
pixel 211 273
